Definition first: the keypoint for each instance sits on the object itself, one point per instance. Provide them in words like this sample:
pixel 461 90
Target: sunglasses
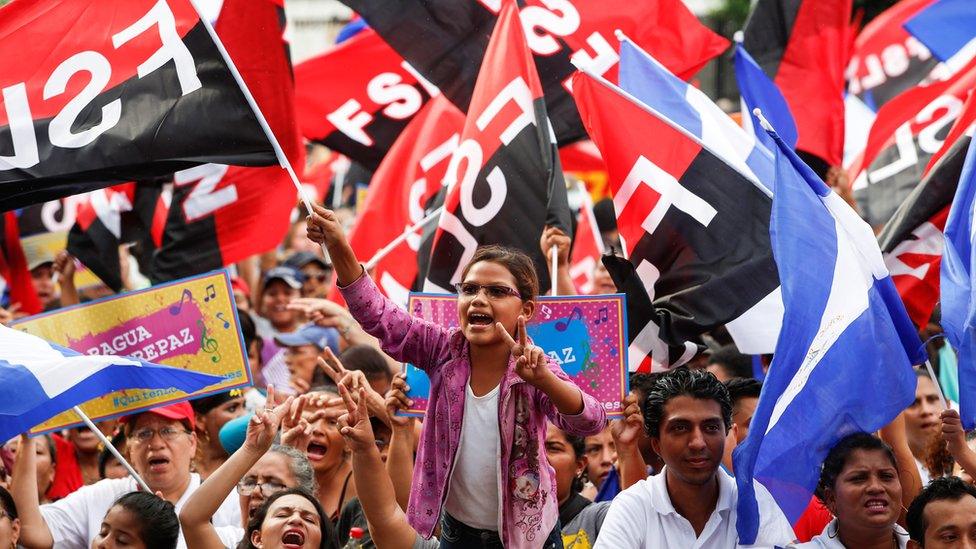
pixel 493 291
pixel 319 277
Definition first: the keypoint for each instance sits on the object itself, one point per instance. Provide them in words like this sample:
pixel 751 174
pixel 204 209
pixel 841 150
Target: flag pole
pixel 935 381
pixel 554 254
pixel 385 250
pixel 262 121
pixel 111 448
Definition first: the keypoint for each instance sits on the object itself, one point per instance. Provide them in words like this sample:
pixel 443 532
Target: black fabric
pixel 767 32
pixel 159 132
pixel 572 507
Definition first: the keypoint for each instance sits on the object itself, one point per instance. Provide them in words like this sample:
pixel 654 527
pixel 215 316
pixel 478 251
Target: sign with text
pixel 190 323
pixel 584 335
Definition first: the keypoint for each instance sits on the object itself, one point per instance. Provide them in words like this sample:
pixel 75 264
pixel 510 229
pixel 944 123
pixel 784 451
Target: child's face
pixel 479 312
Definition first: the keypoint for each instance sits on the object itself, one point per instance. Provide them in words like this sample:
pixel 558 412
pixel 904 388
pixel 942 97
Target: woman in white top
pixel 860 485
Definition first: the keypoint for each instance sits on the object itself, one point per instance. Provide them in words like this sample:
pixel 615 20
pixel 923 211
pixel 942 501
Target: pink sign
pixel 584 335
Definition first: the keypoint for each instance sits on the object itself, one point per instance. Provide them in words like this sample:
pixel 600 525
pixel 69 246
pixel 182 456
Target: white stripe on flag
pixel 852 280
pixel 55 372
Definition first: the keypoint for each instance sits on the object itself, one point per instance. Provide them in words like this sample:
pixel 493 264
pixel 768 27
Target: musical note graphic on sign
pixel 211 293
pixel 176 308
pixel 546 311
pixel 207 343
pixel 562 325
pixel 226 322
pixel 601 318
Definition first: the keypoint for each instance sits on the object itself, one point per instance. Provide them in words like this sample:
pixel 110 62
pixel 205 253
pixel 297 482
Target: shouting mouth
pixel 293 538
pixel 316 451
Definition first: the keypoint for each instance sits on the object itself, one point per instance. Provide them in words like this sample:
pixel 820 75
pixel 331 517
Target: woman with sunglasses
pixel 260 472
pixel 481 464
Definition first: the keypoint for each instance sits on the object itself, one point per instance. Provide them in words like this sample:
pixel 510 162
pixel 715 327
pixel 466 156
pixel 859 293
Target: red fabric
pixel 13 268
pixel 962 124
pixel 410 174
pixel 811 76
pixel 67 473
pixel 587 248
pixel 812 522
pixel 582 156
pixel 914 266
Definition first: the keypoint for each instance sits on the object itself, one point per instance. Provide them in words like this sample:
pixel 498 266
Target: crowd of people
pixel 509 453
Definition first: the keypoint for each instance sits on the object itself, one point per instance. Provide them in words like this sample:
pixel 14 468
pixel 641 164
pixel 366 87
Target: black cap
pixel 298 260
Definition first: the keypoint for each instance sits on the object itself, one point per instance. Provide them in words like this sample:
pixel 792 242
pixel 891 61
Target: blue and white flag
pixel 758 91
pixel 957 288
pixel 843 362
pixel 653 84
pixel 39 380
pixel 945 27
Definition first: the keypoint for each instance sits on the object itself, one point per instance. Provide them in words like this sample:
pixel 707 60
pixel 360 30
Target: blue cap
pixel 290 276
pixel 309 334
pixel 233 433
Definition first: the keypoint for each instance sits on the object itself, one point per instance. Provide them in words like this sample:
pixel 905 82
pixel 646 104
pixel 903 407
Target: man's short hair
pixel 942 488
pixel 732 361
pixel 740 388
pixel 681 381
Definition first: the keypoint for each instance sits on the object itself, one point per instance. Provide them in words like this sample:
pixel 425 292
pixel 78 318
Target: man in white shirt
pixel 691 503
pixel 161 445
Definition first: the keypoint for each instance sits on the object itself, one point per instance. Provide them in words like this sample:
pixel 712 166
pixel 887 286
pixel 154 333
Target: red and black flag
pixel 445 41
pixel 16 286
pixel 95 93
pixel 357 97
pixel 503 182
pixel 908 130
pixel 221 214
pixel 887 60
pixel 121 214
pixel 803 46
pixel 696 230
pixel 912 240
pixel 406 181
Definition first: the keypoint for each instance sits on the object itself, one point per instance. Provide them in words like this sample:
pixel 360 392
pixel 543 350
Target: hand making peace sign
pixel 530 360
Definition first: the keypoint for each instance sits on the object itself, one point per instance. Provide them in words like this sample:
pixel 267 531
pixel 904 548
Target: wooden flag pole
pixel 385 250
pixel 111 448
pixel 554 254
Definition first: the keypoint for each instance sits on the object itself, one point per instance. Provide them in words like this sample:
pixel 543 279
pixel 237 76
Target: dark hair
pixel 517 263
pixel 837 457
pixel 248 329
pixel 51 448
pixel 118 441
pixel 643 384
pixel 368 360
pixel 740 387
pixel 944 488
pixel 329 540
pixel 606 217
pixel 699 384
pixel 7 501
pixel 158 525
pixel 732 361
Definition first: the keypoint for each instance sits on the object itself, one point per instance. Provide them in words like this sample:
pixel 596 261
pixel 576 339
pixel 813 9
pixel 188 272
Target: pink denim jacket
pixel 529 506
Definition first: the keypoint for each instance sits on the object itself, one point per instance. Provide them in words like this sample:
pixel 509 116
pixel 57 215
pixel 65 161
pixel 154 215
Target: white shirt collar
pixel 661 499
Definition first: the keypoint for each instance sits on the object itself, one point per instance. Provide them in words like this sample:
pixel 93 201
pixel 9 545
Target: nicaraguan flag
pixel 843 362
pixel 653 84
pixel 945 27
pixel 39 380
pixel 958 299
pixel 758 91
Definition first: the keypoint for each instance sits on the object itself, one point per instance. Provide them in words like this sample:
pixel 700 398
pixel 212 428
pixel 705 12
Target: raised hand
pixel 625 431
pixel 64 265
pixel 354 380
pixel 396 400
pixel 324 227
pixel 296 431
pixel 7 315
pixel 553 236
pixel 530 360
pixel 354 424
pixel 263 427
pixel 952 431
pixel 324 312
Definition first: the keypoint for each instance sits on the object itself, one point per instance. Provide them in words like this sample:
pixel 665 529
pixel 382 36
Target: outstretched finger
pixel 271 397
pixel 506 337
pixel 331 366
pixel 523 337
pixel 347 399
pixel 362 398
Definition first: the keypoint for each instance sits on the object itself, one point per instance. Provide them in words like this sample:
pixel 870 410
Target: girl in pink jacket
pixel 481 464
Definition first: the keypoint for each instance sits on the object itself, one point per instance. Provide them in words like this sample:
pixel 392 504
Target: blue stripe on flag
pixel 958 299
pixel 758 90
pixel 944 27
pixel 842 361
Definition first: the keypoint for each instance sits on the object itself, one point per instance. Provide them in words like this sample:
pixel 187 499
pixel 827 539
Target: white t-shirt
pixel 75 520
pixel 472 495
pixel 828 539
pixel 923 472
pixel 643 516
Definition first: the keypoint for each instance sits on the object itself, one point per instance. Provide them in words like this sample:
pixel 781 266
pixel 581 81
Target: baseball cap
pixel 205 404
pixel 288 275
pixel 309 334
pixel 298 260
pixel 181 411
